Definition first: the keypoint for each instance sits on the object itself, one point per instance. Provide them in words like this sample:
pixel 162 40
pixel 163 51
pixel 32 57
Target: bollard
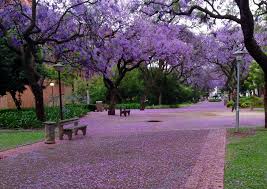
pixel 50 132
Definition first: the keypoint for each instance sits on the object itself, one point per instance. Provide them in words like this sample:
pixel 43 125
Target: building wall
pixel 27 97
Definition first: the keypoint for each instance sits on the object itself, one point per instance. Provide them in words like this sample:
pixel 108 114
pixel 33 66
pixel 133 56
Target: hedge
pixel 248 102
pixel 215 100
pixel 137 106
pixel 26 118
pixel 128 106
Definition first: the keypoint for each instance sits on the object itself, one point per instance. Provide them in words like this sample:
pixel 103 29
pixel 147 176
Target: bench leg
pixel 70 136
pixel 76 131
pixel 69 133
pixel 61 136
pixel 84 131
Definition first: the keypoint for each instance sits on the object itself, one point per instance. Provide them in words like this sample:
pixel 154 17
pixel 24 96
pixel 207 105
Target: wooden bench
pixel 124 112
pixel 69 126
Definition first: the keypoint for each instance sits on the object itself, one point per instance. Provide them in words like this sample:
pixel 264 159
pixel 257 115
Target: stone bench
pixel 124 112
pixel 70 126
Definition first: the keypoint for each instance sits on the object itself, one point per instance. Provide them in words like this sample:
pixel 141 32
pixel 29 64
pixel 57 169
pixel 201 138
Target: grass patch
pixel 246 159
pixel 12 139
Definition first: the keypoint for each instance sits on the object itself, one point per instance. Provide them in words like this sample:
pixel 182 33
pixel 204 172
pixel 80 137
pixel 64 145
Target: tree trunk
pixel 265 98
pixel 39 101
pixel 258 90
pixel 142 102
pixel 160 98
pixel 113 101
pixel 72 92
pixel 35 80
pixel 16 101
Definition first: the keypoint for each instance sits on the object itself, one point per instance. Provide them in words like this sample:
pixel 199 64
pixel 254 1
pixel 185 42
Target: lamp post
pixel 239 59
pixel 59 68
pixel 87 96
pixel 52 85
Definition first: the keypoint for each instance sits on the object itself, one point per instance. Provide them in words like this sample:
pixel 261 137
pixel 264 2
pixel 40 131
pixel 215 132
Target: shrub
pixel 91 107
pixel 19 119
pixel 163 106
pixel 137 106
pixel 215 100
pixel 247 102
pixel 257 102
pixel 230 104
pixel 129 106
pixel 26 118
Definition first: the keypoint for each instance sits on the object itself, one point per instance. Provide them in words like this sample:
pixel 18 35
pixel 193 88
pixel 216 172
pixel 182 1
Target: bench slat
pixel 75 127
pixel 68 120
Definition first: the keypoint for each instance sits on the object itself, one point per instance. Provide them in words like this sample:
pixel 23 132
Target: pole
pixel 87 97
pixel 237 95
pixel 60 97
pixel 53 101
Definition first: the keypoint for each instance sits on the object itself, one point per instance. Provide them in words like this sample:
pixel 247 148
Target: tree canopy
pixel 112 38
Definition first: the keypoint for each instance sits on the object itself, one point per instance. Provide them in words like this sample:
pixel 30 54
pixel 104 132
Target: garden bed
pixel 26 118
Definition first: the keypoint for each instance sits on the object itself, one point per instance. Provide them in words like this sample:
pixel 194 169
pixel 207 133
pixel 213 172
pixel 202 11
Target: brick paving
pixel 181 151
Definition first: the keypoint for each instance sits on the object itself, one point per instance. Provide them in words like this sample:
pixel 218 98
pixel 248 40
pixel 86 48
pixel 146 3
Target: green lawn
pixel 246 160
pixel 12 139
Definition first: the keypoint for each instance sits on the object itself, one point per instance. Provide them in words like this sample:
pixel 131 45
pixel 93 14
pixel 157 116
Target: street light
pixel 52 85
pixel 239 59
pixel 87 95
pixel 59 68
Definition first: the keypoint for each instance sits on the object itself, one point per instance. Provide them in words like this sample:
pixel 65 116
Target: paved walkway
pixel 184 150
pixel 198 116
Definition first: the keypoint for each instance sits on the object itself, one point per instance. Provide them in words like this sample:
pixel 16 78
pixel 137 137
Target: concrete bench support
pixel 50 132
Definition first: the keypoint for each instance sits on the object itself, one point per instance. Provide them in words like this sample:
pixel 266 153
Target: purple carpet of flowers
pixel 199 116
pixel 125 152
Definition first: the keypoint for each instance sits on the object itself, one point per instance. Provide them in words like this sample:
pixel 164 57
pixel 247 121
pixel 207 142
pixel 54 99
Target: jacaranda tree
pixel 247 14
pixel 29 28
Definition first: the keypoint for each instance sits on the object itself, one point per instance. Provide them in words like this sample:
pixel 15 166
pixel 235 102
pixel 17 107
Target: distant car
pixel 215 98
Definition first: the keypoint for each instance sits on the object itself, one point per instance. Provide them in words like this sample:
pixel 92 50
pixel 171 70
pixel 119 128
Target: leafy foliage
pixel 129 105
pixel 97 89
pixel 173 92
pixel 248 102
pixel 255 79
pixel 12 76
pixel 26 118
pixel 132 86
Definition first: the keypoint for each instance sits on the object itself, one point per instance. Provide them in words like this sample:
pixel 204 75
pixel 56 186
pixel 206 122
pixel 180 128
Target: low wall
pixel 27 97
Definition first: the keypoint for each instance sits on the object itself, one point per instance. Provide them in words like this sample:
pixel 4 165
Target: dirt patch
pixel 242 133
pixel 209 114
